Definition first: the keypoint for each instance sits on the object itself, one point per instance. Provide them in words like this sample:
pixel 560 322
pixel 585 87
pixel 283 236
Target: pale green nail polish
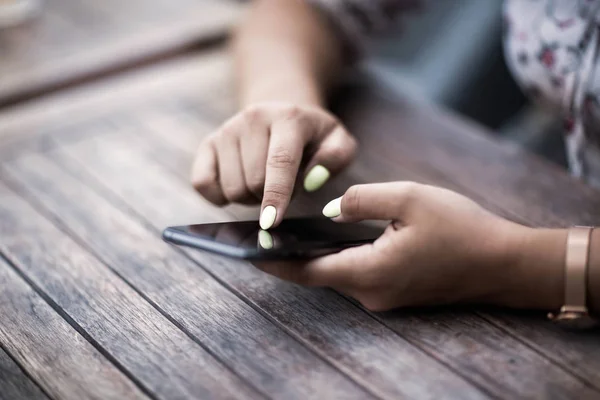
pixel 265 240
pixel 316 178
pixel 333 208
pixel 267 218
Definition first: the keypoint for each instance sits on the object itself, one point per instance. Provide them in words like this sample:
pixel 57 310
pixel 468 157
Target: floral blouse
pixel 551 47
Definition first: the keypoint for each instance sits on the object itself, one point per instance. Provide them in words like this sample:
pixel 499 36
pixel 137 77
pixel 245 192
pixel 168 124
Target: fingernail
pixel 316 178
pixel 333 208
pixel 267 218
pixel 265 240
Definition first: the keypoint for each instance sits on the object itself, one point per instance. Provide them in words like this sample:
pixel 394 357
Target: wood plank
pixel 76 40
pixel 61 361
pixel 341 332
pixel 70 108
pixel 15 384
pixel 161 357
pixel 249 344
pixel 468 344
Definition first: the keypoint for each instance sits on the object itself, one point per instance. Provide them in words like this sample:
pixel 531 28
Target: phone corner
pixel 167 235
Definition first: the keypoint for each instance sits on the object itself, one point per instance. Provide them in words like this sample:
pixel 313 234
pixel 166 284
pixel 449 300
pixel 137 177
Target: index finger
pixel 286 146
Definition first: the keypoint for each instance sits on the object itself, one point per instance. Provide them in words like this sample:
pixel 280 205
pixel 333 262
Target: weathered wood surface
pixel 74 40
pixel 22 126
pixel 53 353
pixel 121 322
pixel 106 168
pixel 15 384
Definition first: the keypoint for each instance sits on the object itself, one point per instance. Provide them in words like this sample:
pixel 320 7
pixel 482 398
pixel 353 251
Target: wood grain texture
pixel 14 384
pixel 463 341
pixel 21 126
pixel 244 340
pixel 357 344
pixel 61 361
pixel 161 357
pixel 74 40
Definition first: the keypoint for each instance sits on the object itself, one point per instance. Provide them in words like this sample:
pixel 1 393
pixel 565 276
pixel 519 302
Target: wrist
pixel 534 267
pixel 284 88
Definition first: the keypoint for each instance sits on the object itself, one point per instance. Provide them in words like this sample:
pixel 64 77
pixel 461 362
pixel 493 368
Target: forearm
pixel 538 272
pixel 285 51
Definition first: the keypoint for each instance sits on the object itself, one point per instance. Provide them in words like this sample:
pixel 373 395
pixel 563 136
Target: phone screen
pixel 296 237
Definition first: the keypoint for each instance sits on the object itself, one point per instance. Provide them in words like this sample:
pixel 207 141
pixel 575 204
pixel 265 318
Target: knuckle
pixel 253 114
pixel 281 158
pixel 410 190
pixel 206 146
pixel 408 196
pixel 276 190
pixel 291 112
pixel 229 129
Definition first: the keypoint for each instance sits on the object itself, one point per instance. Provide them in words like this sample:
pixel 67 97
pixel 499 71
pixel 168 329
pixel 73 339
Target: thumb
pixel 378 201
pixel 334 152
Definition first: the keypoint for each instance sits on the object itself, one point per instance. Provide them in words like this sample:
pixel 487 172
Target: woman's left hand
pixel 440 248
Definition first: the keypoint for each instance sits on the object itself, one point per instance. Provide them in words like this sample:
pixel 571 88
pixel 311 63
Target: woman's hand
pixel 257 155
pixel 440 248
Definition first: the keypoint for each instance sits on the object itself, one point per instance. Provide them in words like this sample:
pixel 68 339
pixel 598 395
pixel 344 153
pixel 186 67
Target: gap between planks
pixel 25 386
pixel 96 371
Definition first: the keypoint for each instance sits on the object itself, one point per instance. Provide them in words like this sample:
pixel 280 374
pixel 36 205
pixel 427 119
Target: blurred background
pixel 449 54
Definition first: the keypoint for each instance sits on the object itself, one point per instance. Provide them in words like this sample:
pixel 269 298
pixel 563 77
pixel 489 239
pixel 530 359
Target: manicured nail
pixel 267 218
pixel 316 178
pixel 333 208
pixel 265 240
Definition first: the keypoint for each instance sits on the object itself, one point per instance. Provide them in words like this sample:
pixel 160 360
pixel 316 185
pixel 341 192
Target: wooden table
pixel 93 304
pixel 74 41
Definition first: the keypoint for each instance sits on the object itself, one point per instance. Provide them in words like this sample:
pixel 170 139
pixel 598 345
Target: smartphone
pixel 294 238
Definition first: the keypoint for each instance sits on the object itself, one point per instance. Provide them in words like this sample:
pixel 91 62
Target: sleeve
pixel 551 48
pixel 548 45
pixel 356 21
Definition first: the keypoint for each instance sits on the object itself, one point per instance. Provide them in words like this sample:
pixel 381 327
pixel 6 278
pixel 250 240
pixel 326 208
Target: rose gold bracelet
pixel 574 313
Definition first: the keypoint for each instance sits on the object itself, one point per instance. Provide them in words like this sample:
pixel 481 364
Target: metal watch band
pixel 576 264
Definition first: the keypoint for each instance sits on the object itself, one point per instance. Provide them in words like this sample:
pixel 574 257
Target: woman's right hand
pixel 256 156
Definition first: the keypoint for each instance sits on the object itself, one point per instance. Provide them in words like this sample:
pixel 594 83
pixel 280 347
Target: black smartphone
pixel 294 238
